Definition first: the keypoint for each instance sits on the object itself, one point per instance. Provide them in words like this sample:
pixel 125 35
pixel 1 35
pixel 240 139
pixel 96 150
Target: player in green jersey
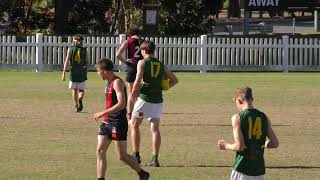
pixel 251 128
pixel 77 58
pixel 147 95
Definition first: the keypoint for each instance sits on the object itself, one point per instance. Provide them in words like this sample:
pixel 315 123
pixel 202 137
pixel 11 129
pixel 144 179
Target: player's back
pixel 134 52
pixel 151 87
pixel 254 127
pixel 77 61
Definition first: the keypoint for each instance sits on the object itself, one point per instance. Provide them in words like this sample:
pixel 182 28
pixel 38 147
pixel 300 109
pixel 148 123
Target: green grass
pixel 42 138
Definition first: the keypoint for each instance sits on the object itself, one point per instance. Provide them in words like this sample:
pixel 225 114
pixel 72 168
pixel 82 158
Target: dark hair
pixel 135 31
pixel 148 46
pixel 105 64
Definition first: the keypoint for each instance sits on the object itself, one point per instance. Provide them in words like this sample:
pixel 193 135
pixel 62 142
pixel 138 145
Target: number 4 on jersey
pixel 155 69
pixel 254 129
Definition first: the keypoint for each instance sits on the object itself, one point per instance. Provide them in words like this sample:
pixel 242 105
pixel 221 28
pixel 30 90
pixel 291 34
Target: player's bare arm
pixel 119 89
pixel 273 141
pixel 66 63
pixel 238 144
pixel 136 85
pixel 121 50
pixel 173 80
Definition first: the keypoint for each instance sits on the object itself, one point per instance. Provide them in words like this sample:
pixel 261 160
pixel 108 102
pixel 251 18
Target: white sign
pixel 263 3
pixel 151 17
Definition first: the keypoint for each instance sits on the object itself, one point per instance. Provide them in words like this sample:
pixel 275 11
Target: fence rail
pixel 202 53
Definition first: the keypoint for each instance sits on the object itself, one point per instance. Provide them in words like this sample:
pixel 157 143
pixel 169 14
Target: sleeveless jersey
pixel 134 52
pixel 77 61
pixel 111 97
pixel 151 86
pixel 254 127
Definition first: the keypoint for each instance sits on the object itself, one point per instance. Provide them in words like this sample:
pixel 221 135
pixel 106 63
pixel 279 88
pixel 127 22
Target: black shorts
pixel 131 72
pixel 113 132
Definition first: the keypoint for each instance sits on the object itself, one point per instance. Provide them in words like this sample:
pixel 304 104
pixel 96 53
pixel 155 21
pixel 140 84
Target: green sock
pixel 136 154
pixel 154 158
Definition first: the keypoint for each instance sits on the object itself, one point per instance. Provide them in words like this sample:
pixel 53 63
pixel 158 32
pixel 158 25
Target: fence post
pixel 39 52
pixel 285 53
pixel 203 53
pixel 122 37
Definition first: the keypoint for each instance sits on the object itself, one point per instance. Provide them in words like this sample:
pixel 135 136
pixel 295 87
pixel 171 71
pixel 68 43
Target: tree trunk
pixel 234 8
pixel 62 8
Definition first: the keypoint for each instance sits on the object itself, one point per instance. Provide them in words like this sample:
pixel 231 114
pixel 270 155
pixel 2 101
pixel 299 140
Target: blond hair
pixel 243 93
pixel 77 40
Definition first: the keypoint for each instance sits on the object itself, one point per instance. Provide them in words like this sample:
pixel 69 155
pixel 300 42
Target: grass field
pixel 42 138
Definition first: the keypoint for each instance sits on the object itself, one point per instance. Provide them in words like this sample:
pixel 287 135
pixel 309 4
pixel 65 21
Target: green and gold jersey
pixel 151 86
pixel 77 62
pixel 254 127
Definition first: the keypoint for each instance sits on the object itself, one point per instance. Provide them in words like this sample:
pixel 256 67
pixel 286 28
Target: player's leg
pixel 156 141
pixel 154 117
pixel 75 98
pixel 140 107
pixel 81 95
pixel 131 76
pixel 121 150
pixel 130 86
pixel 101 152
pixel 74 92
pixel 135 136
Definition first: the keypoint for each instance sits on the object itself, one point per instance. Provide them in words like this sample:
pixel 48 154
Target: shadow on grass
pixel 175 113
pixel 224 166
pixel 206 125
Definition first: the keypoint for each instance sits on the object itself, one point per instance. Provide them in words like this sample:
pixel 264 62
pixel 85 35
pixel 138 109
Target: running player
pixel 115 124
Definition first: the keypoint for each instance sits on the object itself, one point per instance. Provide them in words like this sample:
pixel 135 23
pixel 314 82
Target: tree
pixel 187 17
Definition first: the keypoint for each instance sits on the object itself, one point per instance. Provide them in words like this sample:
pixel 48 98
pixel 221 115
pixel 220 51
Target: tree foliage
pixel 28 15
pixel 88 16
pixel 188 16
pixel 181 17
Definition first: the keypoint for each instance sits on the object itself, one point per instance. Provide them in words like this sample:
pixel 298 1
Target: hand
pixel 222 144
pixel 129 115
pixel 98 115
pixel 63 78
pixel 129 61
pixel 266 143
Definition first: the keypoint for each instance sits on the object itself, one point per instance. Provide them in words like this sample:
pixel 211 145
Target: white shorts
pixel 77 85
pixel 235 175
pixel 147 110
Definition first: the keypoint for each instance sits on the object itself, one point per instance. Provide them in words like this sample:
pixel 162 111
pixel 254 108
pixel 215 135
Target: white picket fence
pixel 204 53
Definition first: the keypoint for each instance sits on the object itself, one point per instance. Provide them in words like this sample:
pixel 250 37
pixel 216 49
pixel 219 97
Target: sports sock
pixel 136 154
pixel 101 178
pixel 154 158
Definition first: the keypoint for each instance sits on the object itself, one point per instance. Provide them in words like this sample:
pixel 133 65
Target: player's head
pixel 135 31
pixel 77 40
pixel 147 47
pixel 243 97
pixel 104 68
